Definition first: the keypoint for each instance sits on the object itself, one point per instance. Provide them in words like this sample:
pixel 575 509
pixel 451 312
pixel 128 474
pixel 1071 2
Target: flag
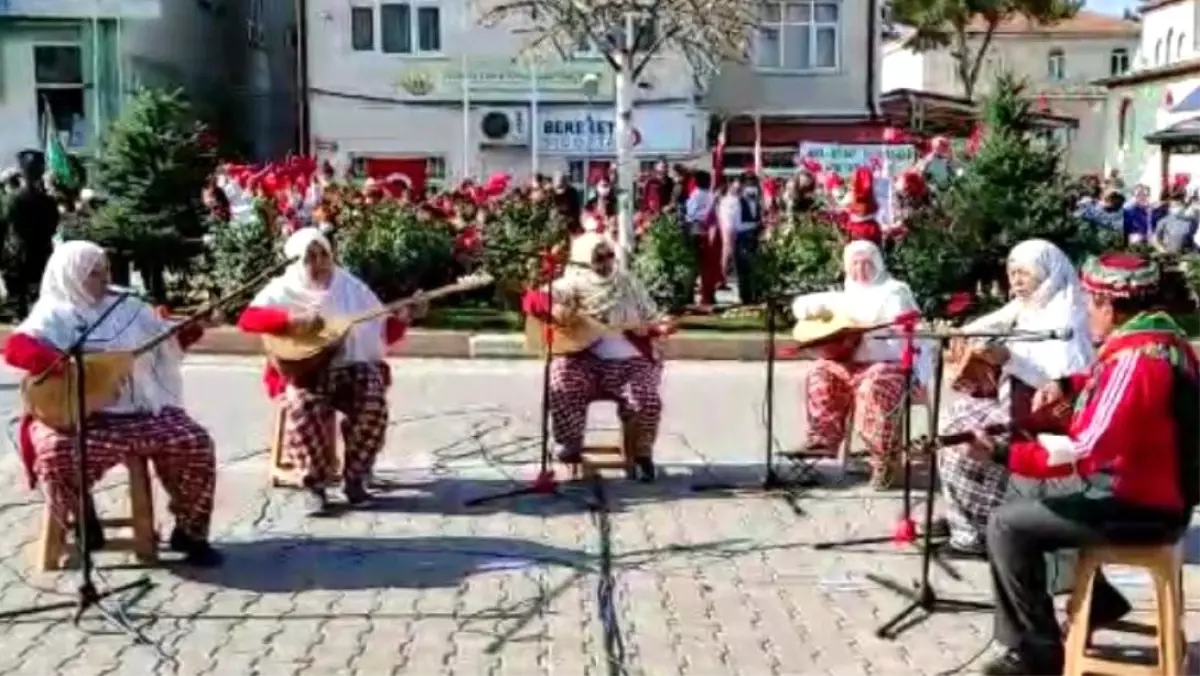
pixel 758 148
pixel 58 164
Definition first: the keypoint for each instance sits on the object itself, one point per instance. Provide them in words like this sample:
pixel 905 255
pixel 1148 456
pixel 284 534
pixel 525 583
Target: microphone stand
pixel 88 596
pixel 772 483
pixel 924 597
pixel 545 483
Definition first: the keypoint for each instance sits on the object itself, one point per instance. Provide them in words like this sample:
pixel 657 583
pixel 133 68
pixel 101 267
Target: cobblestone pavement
pixel 666 581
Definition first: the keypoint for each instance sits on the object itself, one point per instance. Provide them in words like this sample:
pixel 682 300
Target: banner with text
pixel 844 158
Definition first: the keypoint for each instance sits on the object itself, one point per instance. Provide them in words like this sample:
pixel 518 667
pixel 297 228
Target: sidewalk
pixel 702 345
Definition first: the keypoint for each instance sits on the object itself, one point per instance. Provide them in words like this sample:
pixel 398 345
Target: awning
pixel 1187 131
pixel 1189 104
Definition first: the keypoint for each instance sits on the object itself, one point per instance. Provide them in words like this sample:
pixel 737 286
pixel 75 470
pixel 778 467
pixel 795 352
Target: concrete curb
pixel 466 345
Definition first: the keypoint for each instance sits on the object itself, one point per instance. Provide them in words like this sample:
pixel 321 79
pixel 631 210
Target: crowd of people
pixel 1168 225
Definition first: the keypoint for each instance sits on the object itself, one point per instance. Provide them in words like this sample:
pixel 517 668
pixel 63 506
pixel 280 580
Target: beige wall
pixel 841 91
pixel 366 102
pixel 1085 60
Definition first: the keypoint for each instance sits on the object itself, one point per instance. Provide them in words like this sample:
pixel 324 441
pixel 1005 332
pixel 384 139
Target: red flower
pixel 959 303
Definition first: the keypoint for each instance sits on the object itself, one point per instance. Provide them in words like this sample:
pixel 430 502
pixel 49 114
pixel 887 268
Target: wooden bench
pixel 283 472
pixel 57 550
pixel 1165 565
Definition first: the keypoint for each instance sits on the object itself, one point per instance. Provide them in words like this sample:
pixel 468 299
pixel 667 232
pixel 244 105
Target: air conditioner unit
pixel 504 127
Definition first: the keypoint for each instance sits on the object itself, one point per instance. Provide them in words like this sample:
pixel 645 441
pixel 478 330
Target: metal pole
pixel 534 117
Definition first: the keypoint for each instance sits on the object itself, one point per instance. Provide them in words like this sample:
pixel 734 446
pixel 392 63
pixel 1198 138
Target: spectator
pixel 746 241
pixel 1140 216
pixel 1175 229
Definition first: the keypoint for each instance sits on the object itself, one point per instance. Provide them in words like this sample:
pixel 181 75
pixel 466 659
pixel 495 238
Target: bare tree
pixel 629 33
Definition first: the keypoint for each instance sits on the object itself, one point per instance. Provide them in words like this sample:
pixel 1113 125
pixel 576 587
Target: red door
pixel 394 174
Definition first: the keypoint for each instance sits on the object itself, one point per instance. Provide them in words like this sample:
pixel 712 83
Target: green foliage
pixel 516 234
pixel 666 263
pixel 934 259
pixel 803 257
pixel 152 163
pixel 239 251
pixel 1015 188
pixel 395 253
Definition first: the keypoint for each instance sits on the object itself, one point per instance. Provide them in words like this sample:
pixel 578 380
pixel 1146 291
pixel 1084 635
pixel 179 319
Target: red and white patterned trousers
pixel 873 390
pixel 180 450
pixel 579 379
pixel 359 393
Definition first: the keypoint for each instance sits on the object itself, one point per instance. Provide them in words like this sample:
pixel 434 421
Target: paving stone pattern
pixel 665 581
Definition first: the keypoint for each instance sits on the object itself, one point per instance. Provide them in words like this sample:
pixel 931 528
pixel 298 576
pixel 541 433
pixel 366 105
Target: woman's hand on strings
pixel 305 323
pixel 982 446
pixel 1049 394
pixel 997 355
pixel 956 350
pixel 419 307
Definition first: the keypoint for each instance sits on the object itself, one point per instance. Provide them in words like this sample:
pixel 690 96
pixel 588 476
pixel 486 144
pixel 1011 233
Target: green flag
pixel 58 165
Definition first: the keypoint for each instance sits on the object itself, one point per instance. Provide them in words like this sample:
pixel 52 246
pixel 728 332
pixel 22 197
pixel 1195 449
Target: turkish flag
pixel 395 175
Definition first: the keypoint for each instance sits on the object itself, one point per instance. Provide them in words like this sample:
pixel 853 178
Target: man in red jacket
pixel 1133 440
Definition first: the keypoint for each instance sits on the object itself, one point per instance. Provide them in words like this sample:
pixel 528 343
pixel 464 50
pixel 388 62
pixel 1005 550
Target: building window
pixel 1182 40
pixel 362 29
pixel 1118 61
pixel 1158 52
pixel 1056 65
pixel 1124 121
pixel 435 175
pixel 60 91
pixel 798 36
pixel 403 27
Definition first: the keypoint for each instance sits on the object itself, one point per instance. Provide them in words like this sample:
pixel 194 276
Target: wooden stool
pixel 284 473
pixel 1164 564
pixel 54 552
pixel 598 457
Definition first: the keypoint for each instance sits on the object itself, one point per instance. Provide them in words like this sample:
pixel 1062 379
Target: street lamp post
pixel 591 86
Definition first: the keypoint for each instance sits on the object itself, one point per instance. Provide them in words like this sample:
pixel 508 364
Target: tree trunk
pixel 626 168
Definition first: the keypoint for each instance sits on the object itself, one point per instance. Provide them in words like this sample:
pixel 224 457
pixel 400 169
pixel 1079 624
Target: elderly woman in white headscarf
pixel 622 365
pixel 869 381
pixel 147 416
pixel 355 384
pixel 1045 297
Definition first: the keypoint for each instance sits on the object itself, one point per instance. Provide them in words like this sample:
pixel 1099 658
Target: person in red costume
pixel 622 366
pixel 1132 440
pixel 355 385
pixel 147 417
pixel 863 209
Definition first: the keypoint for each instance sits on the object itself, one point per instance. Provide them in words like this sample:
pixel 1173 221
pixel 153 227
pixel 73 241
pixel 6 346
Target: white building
pixel 418 87
pixel 1152 111
pixel 77 58
pixel 1061 63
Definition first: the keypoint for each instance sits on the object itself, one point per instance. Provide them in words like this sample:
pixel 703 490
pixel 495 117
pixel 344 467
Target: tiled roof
pixel 1085 22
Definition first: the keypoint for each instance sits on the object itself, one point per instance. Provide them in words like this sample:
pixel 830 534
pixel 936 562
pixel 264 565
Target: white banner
pixel 844 158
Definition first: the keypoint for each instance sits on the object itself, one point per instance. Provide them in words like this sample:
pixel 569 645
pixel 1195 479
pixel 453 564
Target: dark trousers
pixel 745 253
pixel 1021 533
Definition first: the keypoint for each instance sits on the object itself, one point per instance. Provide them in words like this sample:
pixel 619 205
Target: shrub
pixel 395 253
pixel 666 263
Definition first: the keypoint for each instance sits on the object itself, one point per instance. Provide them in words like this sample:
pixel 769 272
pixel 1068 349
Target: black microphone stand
pixel 923 597
pixel 89 597
pixel 772 483
pixel 545 483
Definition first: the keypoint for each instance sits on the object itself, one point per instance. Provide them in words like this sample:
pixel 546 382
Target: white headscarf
pixel 879 300
pixel 295 291
pixel 1056 304
pixel 618 299
pixel 64 310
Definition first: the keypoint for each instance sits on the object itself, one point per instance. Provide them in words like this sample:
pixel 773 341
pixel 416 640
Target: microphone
pixel 124 291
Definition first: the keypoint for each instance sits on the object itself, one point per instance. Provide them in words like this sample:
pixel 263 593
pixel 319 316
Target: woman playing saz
pixel 621 366
pixel 1046 297
pixel 147 418
pixel 354 385
pixel 870 380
